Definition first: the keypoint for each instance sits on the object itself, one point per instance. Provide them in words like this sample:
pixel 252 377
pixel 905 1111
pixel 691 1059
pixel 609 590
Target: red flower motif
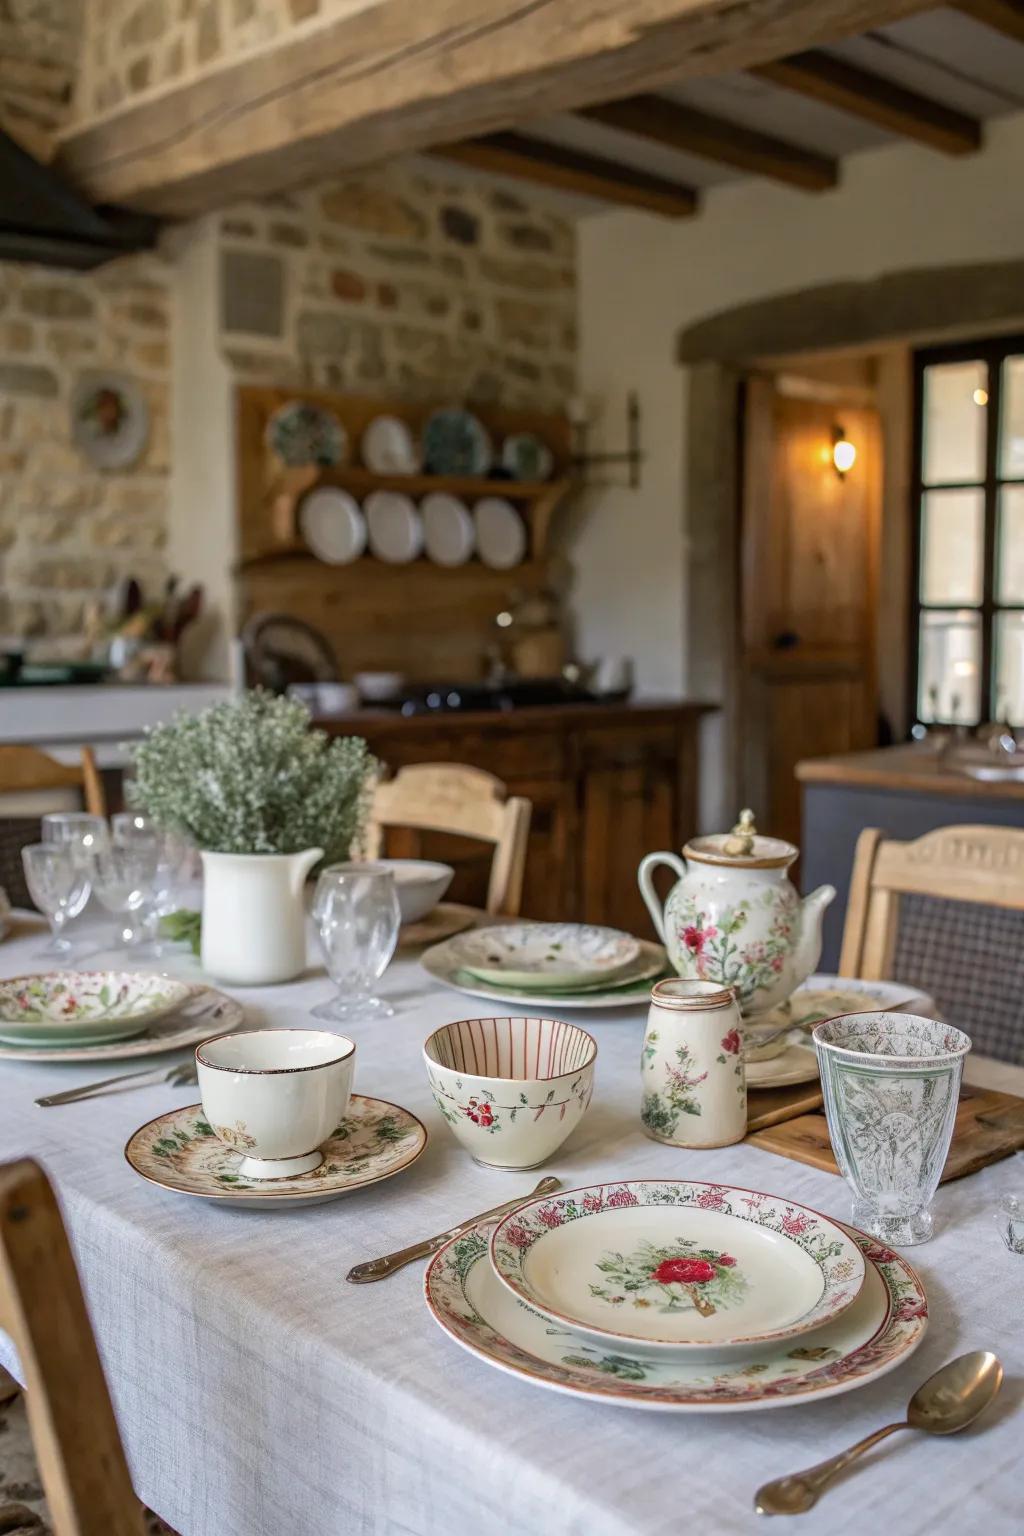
pixel 622 1197
pixel 694 938
pixel 794 1224
pixel 908 1308
pixel 711 1199
pixel 592 1203
pixel 731 1042
pixel 879 1255
pixel 725 1260
pixel 480 1113
pixel 550 1215
pixel 776 963
pixel 517 1236
pixel 70 1006
pixel 684 1272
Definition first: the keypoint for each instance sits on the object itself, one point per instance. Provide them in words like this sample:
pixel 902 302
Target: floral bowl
pixel 84 1007
pixel 511 1089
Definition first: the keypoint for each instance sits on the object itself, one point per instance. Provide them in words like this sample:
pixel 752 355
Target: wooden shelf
pixel 295 560
pixel 361 482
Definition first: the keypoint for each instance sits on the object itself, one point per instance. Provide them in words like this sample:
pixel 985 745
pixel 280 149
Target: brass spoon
pixel 942 1405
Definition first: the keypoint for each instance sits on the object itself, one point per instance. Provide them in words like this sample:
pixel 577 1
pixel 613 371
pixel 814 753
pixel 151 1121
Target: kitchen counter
pixel 61 720
pixel 914 766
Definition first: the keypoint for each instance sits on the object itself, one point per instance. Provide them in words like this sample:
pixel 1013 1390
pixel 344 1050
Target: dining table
pixel 260 1394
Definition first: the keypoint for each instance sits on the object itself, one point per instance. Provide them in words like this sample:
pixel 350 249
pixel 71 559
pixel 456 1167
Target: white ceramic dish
pixel 528 955
pixel 395 527
pixel 420 885
pixel 179 1151
pixel 500 533
pixel 449 533
pixel 69 1008
pixel 879 1332
pixel 666 1267
pixel 527 457
pixel 333 526
pixel 825 997
pixel 378 687
pixel 276 1095
pixel 796 1064
pixel 389 448
pixel 633 987
pixel 205 1012
pixel 511 1089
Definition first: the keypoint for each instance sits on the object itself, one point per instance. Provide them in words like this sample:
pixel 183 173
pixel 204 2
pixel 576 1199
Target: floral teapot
pixel 735 918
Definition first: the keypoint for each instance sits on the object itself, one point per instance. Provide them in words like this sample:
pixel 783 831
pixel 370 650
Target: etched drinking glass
pixel 891 1083
pixel 133 829
pixel 59 885
pixel 124 879
pixel 357 917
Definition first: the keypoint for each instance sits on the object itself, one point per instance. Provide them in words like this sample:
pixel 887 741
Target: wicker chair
pixel 32 783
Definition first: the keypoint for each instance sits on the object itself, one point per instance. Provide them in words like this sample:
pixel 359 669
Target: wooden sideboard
pixel 608 783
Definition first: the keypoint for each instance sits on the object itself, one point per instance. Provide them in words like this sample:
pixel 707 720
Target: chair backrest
pixel 78 1448
pixel 27 776
pixel 945 913
pixel 454 798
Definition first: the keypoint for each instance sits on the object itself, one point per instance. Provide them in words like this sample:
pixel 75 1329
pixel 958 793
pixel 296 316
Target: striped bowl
pixel 511 1089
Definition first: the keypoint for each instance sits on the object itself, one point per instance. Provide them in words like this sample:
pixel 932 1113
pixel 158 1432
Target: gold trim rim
pixel 719 999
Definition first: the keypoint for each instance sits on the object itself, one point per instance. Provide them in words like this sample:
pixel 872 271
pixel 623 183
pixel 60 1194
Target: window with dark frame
pixel 967 614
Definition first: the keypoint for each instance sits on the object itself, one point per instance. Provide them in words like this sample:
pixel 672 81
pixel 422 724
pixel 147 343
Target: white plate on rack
pixel 333 526
pixel 389 448
pixel 448 530
pixel 395 527
pixel 500 533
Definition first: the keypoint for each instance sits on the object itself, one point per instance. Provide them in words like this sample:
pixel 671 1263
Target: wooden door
pixel 808 582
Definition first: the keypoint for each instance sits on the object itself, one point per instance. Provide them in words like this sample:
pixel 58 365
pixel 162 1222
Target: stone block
pixel 69 342
pixel 251 293
pixel 208 39
pixel 56 301
pixel 16 336
pixel 527 237
pixel 264 367
pixel 302 10
pixel 319 333
pixel 460 225
pixel 145 23
pixel 374 210
pixel 152 356
pixel 139 72
pixel 26 379
pixel 530 276
pixel 291 235
pixel 151 316
pixel 348 285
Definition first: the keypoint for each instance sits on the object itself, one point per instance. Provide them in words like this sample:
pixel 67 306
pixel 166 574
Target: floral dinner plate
pixel 84 1007
pixel 626 989
pixel 179 1151
pixel 205 1012
pixel 882 1329
pixel 544 954
pixel 667 1267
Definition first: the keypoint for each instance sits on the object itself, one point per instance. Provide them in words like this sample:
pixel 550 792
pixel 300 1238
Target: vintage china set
pixel 88 1008
pixel 623 988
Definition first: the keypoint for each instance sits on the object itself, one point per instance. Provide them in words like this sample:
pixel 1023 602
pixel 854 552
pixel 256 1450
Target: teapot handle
pixel 645 879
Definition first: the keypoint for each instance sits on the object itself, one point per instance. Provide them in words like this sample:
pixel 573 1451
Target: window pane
pixel 955 396
pixel 1010 552
pixel 952 546
pixel 1011 428
pixel 1008 695
pixel 949 671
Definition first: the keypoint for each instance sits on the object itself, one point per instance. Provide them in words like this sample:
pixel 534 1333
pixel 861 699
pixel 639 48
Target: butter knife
pixel 379 1269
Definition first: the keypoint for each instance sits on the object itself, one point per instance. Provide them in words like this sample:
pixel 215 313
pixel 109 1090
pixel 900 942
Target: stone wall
pixel 39 46
pixel 406 282
pixel 68 532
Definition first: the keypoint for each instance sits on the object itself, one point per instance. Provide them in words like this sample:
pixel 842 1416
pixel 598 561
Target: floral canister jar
pixel 694 1087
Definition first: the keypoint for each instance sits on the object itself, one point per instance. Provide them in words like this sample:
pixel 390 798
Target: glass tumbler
pixel 891 1083
pixel 59 885
pixel 124 878
pixel 357 917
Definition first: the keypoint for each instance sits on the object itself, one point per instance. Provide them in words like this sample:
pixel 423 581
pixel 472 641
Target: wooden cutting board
pixel 989 1126
pixel 773 1106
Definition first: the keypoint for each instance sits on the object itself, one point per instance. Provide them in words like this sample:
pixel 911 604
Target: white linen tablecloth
pixel 259 1394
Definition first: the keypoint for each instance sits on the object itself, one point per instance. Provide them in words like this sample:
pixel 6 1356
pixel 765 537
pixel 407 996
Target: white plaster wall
pixel 642 279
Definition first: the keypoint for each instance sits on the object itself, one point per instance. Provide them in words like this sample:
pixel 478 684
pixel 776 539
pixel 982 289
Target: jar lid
pixel 743 847
pixel 680 992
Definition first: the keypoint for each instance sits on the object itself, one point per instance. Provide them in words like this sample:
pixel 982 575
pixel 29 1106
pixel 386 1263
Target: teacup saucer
pixel 179 1151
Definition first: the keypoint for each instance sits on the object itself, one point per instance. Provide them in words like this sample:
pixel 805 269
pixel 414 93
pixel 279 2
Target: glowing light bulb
pixel 980 397
pixel 843 455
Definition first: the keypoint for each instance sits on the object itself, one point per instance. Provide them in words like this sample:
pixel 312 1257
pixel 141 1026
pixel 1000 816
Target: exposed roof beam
pixel 835 83
pixel 513 154
pixel 1006 16
pixel 712 138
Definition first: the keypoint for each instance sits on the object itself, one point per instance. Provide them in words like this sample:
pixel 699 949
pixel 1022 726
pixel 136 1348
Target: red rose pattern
pixel 480 1113
pixel 622 1197
pixel 684 1272
pixel 731 1042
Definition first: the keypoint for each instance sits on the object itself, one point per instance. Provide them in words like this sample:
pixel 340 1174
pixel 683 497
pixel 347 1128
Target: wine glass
pixel 356 912
pixel 79 831
pixel 132 829
pixel 59 885
pixel 124 877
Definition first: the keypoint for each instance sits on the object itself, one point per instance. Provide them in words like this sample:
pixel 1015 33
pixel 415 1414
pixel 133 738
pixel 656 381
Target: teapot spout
pixel 808 947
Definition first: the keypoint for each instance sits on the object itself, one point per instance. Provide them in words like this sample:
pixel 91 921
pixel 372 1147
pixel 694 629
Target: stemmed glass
pixel 356 912
pixel 123 877
pixel 59 885
pixel 133 829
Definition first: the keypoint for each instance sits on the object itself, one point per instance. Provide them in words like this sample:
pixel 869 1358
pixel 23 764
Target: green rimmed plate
pixel 60 1008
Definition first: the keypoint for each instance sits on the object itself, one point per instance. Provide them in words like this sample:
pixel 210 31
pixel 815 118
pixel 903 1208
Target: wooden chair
pixel 77 1444
pixel 946 914
pixel 28 775
pixel 453 798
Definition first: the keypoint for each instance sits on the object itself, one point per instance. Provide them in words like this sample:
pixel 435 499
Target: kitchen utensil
pixel 545 955
pixel 511 1089
pixel 57 1008
pixel 947 1402
pixel 693 1087
pixel 180 1075
pixel 275 1095
pixel 468 1301
pixel 357 915
pixel 500 533
pixel 379 1269
pixel 376 1141
pixel 891 1083
pixel 672 1268
pixel 280 649
pixel 332 524
pixel 208 1012
pixel 395 527
pixel 455 442
pixel 388 447
pixel 449 532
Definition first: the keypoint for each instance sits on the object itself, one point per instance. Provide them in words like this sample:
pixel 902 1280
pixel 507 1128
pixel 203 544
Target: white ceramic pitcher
pixel 254 920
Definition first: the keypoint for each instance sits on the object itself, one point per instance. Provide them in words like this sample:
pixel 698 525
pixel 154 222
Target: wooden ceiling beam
pixel 1005 16
pixel 713 138
pixel 835 83
pixel 553 165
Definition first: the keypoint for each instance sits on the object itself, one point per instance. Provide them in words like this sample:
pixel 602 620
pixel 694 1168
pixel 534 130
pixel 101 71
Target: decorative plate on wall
pixel 500 533
pixel 455 442
pixel 333 525
pixel 109 419
pixel 448 529
pixel 526 457
pixel 302 433
pixel 389 448
pixel 396 529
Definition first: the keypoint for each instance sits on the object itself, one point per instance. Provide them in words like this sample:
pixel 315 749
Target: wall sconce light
pixel 583 459
pixel 844 454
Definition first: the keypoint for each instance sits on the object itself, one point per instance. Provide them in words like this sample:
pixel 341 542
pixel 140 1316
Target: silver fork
pixel 181 1075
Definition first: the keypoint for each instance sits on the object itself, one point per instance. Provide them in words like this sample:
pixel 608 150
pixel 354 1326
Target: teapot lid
pixel 743 847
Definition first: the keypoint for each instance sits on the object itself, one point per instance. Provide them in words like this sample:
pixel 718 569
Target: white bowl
pixel 276 1095
pixel 511 1089
pixel 378 687
pixel 420 884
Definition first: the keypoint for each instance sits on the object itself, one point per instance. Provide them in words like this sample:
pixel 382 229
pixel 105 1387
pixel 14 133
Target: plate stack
pixel 688 1297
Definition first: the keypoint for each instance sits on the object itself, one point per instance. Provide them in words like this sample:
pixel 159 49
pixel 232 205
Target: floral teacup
pixel 511 1089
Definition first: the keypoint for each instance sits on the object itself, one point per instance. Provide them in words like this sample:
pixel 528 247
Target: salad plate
pixel 389 448
pixel 796 1064
pixel 299 432
pixel 879 1331
pixel 204 1012
pixel 179 1151
pixel 527 457
pixel 455 442
pixel 624 990
pixel 395 527
pixel 500 533
pixel 527 955
pixel 333 525
pixel 448 530
pixel 826 997
pixel 58 1008
pixel 670 1268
